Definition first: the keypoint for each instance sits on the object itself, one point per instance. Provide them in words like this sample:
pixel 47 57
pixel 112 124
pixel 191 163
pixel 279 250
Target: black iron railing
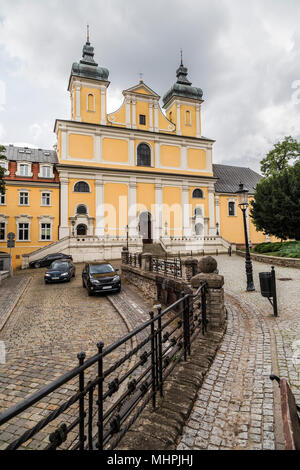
pixel 167 266
pixel 134 259
pixel 102 396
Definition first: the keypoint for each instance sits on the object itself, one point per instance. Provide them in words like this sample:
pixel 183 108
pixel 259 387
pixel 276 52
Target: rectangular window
pixel 23 232
pixel 2 231
pixel 231 208
pixel 24 199
pixel 45 231
pixel 46 172
pixel 142 119
pixel 2 199
pixel 45 199
pixel 24 170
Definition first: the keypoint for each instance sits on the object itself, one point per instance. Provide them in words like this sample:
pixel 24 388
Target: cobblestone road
pixel 235 406
pixel 46 330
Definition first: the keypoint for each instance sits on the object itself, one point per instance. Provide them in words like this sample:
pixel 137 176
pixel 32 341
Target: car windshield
pixel 101 268
pixel 59 266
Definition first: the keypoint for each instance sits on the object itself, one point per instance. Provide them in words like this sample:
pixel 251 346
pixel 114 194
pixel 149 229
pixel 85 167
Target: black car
pixel 60 271
pixel 100 277
pixel 47 260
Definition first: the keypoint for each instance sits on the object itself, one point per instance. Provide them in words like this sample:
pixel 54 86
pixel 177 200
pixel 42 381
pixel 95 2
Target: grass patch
pixel 281 249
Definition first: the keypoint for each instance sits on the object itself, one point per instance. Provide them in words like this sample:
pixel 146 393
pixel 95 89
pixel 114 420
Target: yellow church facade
pixel 139 172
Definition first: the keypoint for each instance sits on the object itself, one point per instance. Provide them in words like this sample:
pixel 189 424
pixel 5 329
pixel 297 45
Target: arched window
pixel 231 208
pixel 198 211
pixel 143 155
pixel 90 102
pixel 188 121
pixel 81 229
pixel 81 187
pixel 81 209
pixel 197 193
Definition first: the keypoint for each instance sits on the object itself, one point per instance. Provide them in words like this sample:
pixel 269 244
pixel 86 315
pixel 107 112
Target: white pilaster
pixel 78 114
pixel 178 125
pixel 158 209
pixel 127 112
pixel 131 151
pixel 103 105
pixel 98 156
pixel 211 210
pixel 64 205
pixel 156 126
pixel 183 156
pixel 99 202
pixel 157 154
pixel 134 114
pixel 64 143
pixel 132 224
pixel 185 211
pixel 198 134
pixel 150 116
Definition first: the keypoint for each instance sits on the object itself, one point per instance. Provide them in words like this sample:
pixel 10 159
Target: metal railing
pixel 99 411
pixel 134 259
pixel 167 266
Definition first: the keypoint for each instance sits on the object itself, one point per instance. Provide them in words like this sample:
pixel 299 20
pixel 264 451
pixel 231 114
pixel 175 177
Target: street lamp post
pixel 242 195
pixel 127 233
pixel 217 225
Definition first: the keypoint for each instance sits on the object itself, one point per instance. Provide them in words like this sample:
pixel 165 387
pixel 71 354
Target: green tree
pixel 275 209
pixel 2 170
pixel 280 156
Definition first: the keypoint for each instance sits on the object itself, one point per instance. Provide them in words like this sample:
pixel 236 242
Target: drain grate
pixel 285 279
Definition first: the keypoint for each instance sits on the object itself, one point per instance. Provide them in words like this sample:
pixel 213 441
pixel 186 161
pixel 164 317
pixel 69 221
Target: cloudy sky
pixel 244 55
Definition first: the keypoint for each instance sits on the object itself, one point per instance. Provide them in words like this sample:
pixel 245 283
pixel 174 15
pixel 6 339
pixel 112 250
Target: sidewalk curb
pixel 12 307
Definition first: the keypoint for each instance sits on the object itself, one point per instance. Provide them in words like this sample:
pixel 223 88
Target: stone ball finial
pixel 207 264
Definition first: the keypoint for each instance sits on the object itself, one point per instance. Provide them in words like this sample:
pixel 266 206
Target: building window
pixel 2 231
pixel 81 209
pixel 46 199
pixel 81 187
pixel 198 211
pixel 23 232
pixel 143 155
pixel 231 208
pixel 46 171
pixel 2 199
pixel 197 193
pixel 188 120
pixel 23 198
pixel 91 102
pixel 45 231
pixel 24 169
pixel 142 119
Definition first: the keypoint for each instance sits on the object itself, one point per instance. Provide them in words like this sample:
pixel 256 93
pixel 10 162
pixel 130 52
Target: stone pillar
pixel 64 230
pixel 189 268
pixel 131 151
pixel 127 112
pixel 157 154
pixel 158 209
pixel 134 114
pixel 99 202
pixel 97 151
pixel 132 208
pixel 178 124
pixel 146 261
pixel 124 255
pixel 64 143
pixel 78 115
pixel 206 219
pixel 183 156
pixel 185 211
pixel 211 209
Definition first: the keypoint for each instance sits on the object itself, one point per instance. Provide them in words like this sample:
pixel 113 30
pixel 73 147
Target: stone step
pixel 154 248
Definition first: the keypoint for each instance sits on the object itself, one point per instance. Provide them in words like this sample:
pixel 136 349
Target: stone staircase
pixel 154 248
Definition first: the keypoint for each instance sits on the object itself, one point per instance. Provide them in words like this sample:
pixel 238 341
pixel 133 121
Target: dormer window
pixel 24 169
pixel 142 119
pixel 46 171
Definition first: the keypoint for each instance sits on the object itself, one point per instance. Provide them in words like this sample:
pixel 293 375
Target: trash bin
pixel 265 280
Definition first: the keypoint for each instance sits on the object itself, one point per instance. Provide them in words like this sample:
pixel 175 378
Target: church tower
pixel 183 104
pixel 88 84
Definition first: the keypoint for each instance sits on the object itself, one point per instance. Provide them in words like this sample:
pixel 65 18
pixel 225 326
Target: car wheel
pixel 37 265
pixel 119 290
pixel 46 282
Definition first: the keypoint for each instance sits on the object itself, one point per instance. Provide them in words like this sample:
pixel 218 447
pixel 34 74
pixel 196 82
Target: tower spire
pixel 87 33
pixel 181 63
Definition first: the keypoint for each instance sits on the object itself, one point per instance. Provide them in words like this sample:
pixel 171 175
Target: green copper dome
pixel 87 67
pixel 183 87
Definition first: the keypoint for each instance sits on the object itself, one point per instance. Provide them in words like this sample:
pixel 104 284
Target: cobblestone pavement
pixel 10 291
pixel 48 327
pixel 235 406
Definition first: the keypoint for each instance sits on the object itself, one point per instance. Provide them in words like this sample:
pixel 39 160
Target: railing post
pixel 159 346
pixel 81 357
pixel 203 309
pixel 186 326
pixel 153 361
pixel 100 346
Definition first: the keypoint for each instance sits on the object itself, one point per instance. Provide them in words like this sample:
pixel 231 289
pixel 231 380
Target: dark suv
pixel 100 277
pixel 47 260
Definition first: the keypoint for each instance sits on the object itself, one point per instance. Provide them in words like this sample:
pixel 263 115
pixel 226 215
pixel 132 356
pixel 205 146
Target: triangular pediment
pixel 143 89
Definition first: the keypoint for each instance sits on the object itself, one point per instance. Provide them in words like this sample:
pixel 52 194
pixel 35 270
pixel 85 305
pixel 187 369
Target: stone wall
pixel 273 260
pixel 144 281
